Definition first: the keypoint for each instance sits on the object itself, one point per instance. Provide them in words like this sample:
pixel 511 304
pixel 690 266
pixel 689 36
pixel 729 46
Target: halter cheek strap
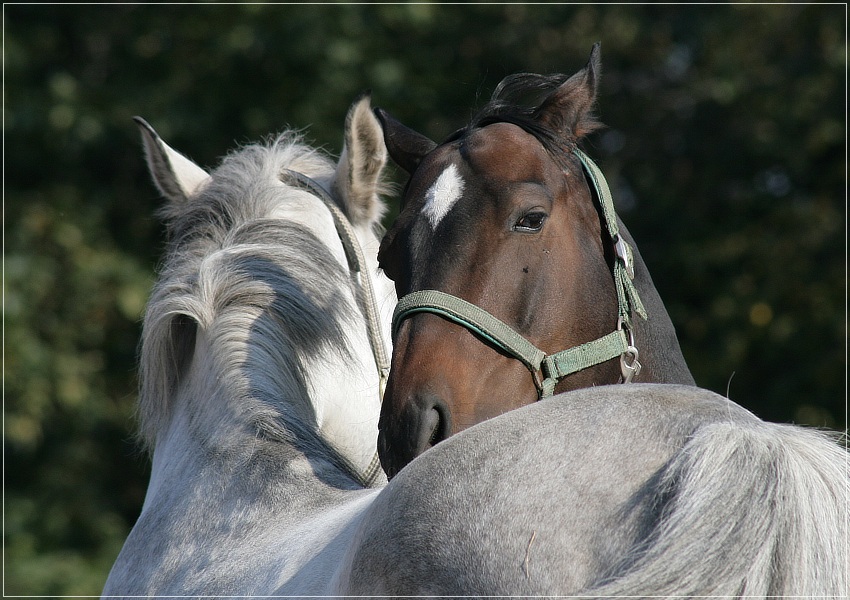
pixel 366 298
pixel 628 299
pixel 547 370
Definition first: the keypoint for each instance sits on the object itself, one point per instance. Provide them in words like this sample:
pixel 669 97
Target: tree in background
pixel 725 148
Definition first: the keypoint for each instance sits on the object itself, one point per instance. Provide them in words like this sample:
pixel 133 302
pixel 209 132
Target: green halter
pixel 547 370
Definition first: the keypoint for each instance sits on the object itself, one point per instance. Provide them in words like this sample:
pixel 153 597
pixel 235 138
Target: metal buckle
pixel 622 250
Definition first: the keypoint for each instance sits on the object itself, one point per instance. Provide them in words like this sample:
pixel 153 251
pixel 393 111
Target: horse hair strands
pixel 230 269
pixel 787 547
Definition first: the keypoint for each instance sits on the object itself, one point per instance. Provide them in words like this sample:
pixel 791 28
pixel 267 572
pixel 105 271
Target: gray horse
pixel 259 388
pixel 645 490
pixel 260 385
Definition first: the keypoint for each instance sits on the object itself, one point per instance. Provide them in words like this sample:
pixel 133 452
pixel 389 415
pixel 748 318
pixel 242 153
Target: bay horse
pixel 509 257
pixel 260 374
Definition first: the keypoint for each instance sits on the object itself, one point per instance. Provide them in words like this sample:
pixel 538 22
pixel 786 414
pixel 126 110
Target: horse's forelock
pixel 516 100
pixel 527 88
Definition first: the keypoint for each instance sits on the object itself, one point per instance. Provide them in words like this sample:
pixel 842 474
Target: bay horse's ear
pixel 567 110
pixel 406 147
pixel 358 175
pixel 176 177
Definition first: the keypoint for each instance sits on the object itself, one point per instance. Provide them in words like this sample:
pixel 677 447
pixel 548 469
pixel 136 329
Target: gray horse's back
pixel 573 495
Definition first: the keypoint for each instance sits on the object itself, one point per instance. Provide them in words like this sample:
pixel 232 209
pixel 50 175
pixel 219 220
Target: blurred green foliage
pixel 725 147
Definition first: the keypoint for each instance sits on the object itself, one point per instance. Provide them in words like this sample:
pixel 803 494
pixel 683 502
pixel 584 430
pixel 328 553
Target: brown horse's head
pixel 499 215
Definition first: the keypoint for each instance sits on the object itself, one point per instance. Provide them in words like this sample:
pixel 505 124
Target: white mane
pixel 257 294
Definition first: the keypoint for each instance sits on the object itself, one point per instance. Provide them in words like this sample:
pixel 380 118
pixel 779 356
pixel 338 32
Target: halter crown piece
pixel 547 370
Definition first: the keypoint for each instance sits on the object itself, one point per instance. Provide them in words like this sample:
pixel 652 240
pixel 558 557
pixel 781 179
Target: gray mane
pixel 263 292
pixel 241 188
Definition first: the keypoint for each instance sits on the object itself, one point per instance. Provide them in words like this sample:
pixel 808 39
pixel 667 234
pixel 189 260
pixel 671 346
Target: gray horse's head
pixel 255 303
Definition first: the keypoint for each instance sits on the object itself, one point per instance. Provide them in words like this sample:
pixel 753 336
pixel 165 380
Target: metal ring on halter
pixel 629 369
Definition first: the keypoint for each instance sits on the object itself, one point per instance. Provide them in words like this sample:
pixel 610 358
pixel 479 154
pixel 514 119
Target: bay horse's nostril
pixel 425 423
pixel 435 428
pixel 438 423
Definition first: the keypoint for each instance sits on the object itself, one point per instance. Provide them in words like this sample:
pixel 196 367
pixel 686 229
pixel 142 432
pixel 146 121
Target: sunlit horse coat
pixel 260 401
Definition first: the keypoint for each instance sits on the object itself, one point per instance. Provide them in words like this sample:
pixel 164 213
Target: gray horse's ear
pixel 358 176
pixel 406 147
pixel 567 110
pixel 176 177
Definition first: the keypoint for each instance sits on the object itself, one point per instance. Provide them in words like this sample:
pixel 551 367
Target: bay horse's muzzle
pixel 425 421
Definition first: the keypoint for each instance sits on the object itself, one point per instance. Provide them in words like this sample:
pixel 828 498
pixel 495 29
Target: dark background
pixel 725 149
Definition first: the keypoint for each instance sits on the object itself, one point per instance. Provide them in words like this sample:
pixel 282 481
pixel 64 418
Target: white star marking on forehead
pixel 441 196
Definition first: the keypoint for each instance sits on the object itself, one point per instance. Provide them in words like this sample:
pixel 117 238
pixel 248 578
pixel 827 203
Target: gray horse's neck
pixel 655 337
pixel 203 499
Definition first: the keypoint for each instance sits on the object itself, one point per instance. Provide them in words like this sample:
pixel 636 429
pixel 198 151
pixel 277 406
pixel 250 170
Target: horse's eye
pixel 531 222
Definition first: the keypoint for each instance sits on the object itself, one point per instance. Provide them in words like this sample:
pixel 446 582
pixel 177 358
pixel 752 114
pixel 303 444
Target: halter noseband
pixel 547 370
pixel 366 300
